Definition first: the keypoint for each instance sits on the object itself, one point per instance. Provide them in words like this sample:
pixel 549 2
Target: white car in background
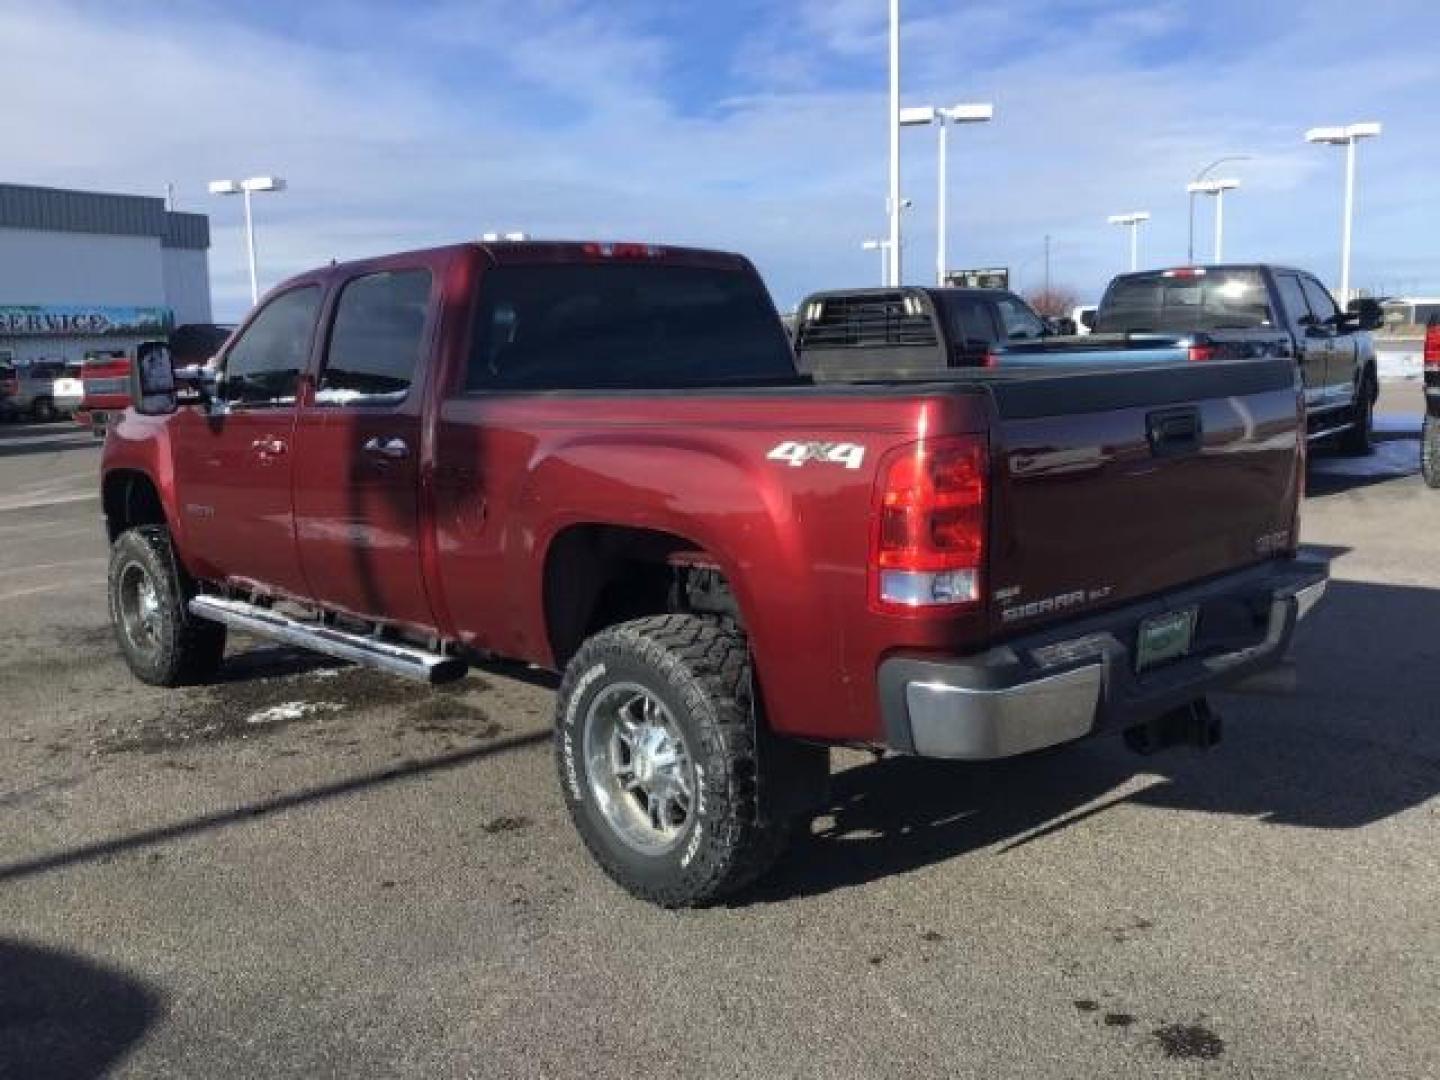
pixel 68 390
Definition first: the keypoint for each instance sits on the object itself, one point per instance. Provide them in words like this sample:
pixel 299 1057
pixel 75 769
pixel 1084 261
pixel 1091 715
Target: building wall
pixel 186 274
pixel 79 268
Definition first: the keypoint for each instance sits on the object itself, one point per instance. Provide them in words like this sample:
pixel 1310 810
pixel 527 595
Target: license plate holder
pixel 1164 637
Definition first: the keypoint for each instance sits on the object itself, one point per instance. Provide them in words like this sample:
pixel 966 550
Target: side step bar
pixel 397 659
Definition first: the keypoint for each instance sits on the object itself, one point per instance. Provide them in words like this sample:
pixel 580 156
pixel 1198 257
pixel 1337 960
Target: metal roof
pixel 61 210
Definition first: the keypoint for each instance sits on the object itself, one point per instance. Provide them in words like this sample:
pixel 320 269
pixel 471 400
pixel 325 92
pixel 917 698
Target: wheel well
pixel 600 575
pixel 130 499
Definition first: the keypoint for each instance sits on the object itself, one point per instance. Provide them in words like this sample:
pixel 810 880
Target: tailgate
pixel 1111 486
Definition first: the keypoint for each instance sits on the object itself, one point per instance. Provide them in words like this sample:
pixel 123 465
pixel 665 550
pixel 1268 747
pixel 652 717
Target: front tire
pixel 1430 450
pixel 656 745
pixel 163 644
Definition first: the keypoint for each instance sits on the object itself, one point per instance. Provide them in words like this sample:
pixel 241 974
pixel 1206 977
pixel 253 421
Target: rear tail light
pixel 1185 272
pixel 989 359
pixel 928 544
pixel 1432 345
pixel 1201 353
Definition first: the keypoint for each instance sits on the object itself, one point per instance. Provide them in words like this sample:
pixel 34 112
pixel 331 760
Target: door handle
pixel 392 449
pixel 268 446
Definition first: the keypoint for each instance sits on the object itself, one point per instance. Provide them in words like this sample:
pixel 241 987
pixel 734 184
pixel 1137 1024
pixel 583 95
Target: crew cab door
pixel 357 436
pixel 233 459
pixel 1340 358
pixel 1313 340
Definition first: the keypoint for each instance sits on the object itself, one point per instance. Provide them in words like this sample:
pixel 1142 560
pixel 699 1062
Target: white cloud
pixel 561 118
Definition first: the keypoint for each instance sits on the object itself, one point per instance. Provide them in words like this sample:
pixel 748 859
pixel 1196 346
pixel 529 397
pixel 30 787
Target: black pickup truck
pixel 865 334
pixel 1189 314
pixel 1430 435
pixel 1249 311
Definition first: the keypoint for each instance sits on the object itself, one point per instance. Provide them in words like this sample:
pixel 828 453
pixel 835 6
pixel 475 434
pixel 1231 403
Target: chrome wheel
pixel 640 772
pixel 140 608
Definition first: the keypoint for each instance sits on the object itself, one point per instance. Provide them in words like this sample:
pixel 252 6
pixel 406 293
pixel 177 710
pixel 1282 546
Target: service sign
pixel 82 320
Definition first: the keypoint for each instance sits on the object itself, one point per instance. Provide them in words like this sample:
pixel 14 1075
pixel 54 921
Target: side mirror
pixel 152 380
pixel 1369 315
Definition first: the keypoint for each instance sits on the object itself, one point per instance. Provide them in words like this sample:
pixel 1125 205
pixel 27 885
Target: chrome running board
pixel 397 659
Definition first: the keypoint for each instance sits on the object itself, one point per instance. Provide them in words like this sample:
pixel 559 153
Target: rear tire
pixel 163 644
pixel 42 410
pixel 656 745
pixel 1358 439
pixel 1430 450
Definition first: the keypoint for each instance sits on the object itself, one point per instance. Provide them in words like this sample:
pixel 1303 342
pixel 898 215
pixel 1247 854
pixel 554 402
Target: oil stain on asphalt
pixel 1189 1041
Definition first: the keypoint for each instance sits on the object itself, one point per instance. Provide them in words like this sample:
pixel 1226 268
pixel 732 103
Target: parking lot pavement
pixel 310 870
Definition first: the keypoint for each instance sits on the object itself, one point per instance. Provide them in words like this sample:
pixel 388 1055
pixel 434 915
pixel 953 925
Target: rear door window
pixel 376 339
pixel 263 367
pixel 624 325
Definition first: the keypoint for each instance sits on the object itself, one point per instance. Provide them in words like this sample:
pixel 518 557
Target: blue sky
pixel 748 125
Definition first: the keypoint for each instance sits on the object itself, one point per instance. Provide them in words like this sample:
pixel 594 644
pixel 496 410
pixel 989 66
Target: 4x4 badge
pixel 796 454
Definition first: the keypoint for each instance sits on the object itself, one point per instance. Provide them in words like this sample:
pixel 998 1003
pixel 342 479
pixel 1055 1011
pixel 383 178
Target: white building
pixel 83 271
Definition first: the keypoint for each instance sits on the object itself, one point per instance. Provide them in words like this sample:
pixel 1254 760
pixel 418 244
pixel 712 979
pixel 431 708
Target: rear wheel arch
pixel 598 575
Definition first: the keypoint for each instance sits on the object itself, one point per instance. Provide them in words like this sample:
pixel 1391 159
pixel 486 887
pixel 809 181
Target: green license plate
pixel 1164 637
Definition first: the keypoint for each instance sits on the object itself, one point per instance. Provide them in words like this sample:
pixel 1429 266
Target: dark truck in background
pixel 1187 314
pixel 1244 311
pixel 1430 432
pixel 599 459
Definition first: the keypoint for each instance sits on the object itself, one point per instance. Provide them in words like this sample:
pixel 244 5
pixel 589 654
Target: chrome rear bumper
pixel 1008 701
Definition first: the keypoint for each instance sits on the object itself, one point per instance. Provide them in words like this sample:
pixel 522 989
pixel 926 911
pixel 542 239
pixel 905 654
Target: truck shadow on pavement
pixel 63 1017
pixel 1358 743
pixel 102 850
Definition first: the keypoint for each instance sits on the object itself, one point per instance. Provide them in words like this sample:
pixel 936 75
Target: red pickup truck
pixel 600 459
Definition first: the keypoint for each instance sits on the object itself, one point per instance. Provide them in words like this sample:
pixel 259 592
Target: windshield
pixel 1199 300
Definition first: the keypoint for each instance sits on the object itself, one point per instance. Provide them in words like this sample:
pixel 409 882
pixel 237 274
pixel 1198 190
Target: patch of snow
pixel 1399 359
pixel 291 710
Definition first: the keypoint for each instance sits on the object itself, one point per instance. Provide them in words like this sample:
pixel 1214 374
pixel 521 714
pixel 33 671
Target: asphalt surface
pixel 216 882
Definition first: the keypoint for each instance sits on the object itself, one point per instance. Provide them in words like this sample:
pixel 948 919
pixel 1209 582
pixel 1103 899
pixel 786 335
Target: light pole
pixel 972 113
pixel 1190 249
pixel 1347 137
pixel 1133 220
pixel 1216 188
pixel 893 202
pixel 245 187
pixel 882 246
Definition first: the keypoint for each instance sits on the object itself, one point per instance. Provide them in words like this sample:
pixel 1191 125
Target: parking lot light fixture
pixel 920 115
pixel 1133 220
pixel 245 188
pixel 1347 137
pixel 1217 188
